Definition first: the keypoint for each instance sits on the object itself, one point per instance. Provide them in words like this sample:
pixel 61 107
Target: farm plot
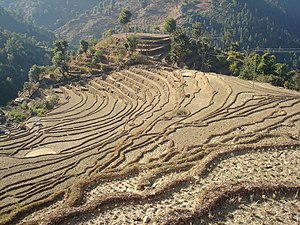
pixel 151 145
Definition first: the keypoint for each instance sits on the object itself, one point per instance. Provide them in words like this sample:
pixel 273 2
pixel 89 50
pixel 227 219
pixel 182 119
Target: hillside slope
pixel 50 14
pixel 265 23
pixel 10 23
pixel 162 145
pixel 20 48
pixel 94 23
pixel 75 20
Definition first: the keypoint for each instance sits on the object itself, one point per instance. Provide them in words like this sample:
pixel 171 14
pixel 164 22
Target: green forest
pixel 264 23
pixel 21 46
pixel 18 52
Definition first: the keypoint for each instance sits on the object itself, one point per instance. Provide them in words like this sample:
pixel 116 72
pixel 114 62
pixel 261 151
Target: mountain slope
pixel 19 50
pixel 94 23
pixel 75 21
pixel 50 14
pixel 10 23
pixel 267 23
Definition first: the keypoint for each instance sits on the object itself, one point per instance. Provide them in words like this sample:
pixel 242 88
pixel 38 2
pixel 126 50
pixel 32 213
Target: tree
pixel 94 41
pixel 265 69
pixel 51 101
pixel 60 59
pixel 61 46
pixel 234 46
pixel 131 43
pixel 281 69
pixel 84 46
pixel 267 64
pixel 249 68
pixel 196 32
pixel 170 25
pixel 156 29
pixel 228 38
pixel 124 19
pixel 280 76
pixel 34 74
pixel 235 59
pixel 295 79
pixel 97 57
pixel 180 47
pixel 18 53
pixel 108 33
pixel 203 50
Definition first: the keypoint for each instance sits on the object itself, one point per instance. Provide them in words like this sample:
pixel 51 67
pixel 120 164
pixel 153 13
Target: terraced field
pixel 158 146
pixel 154 46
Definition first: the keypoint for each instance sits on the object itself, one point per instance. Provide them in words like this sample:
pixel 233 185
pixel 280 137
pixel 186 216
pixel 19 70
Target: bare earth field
pixel 153 145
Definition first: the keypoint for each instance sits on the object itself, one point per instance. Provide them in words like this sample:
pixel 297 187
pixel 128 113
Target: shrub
pixel 51 101
pixel 38 111
pixel 17 116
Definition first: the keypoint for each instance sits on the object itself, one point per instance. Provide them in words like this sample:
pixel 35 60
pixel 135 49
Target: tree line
pixel 192 48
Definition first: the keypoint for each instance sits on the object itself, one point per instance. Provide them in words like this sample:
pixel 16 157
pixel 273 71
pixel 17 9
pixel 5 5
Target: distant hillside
pixel 20 48
pixel 267 23
pixel 88 19
pixel 50 14
pixel 146 16
pixel 10 23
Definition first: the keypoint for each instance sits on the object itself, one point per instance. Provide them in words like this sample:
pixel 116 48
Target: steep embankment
pixel 155 144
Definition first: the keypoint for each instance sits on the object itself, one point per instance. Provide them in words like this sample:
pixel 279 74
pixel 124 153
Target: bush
pixel 137 59
pixel 2 117
pixel 17 116
pixel 97 58
pixel 170 25
pixel 38 111
pixel 51 101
